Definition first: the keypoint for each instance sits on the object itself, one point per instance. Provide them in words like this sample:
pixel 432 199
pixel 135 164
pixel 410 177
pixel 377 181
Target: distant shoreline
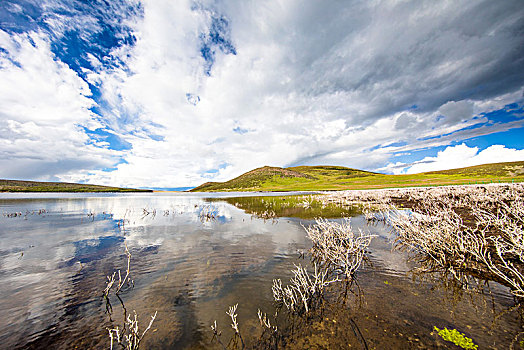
pixel 24 186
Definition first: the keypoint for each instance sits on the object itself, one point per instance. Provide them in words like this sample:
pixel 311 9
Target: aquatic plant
pixel 303 290
pixel 233 314
pixel 456 338
pixel 307 202
pixel 264 321
pixel 375 213
pixel 207 213
pixel 339 253
pixel 336 246
pixel 233 343
pixel 128 337
pixel 121 281
pixel 482 233
pixel 474 229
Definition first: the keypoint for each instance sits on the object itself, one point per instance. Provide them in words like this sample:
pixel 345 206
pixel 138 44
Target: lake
pixel 195 254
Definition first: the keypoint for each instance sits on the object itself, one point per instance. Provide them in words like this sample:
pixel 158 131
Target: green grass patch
pixel 325 178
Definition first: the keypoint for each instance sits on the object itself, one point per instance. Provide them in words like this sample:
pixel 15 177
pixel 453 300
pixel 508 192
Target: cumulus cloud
pixel 207 90
pixel 458 157
pixel 43 106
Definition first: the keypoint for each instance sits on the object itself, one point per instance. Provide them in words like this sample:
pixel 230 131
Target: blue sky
pixel 171 94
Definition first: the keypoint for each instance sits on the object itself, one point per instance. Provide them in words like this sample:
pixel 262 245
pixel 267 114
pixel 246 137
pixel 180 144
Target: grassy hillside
pixel 252 179
pixel 319 172
pixel 316 178
pixel 36 186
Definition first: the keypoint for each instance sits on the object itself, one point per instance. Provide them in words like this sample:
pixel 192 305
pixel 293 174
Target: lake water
pixel 193 256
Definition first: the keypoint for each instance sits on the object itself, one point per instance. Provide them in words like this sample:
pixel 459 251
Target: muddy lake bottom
pixel 194 256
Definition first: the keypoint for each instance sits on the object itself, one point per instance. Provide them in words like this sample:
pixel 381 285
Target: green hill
pixel 37 186
pixel 320 178
pixel 253 179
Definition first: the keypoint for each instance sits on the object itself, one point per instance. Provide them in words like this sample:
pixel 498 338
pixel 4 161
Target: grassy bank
pixel 36 186
pixel 325 178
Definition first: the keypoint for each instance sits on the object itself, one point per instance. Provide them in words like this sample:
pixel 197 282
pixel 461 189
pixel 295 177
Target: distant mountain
pixel 321 178
pixel 37 186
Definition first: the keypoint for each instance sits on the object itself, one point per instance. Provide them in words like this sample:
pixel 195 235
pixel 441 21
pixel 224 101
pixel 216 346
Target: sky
pixel 165 94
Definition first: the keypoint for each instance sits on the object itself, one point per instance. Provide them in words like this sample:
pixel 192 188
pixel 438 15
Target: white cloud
pixel 43 106
pixel 458 157
pixel 36 87
pixel 311 83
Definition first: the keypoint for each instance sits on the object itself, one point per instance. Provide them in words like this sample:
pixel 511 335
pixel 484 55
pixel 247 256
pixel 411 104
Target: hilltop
pixel 267 176
pixel 323 178
pixel 37 186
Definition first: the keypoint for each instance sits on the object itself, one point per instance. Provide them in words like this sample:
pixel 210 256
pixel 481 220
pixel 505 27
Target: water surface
pixel 192 257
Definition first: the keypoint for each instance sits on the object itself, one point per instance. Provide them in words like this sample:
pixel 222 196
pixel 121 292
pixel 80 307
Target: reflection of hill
pixel 303 207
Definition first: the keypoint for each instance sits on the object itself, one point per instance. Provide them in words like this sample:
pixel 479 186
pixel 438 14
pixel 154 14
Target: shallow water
pixel 194 257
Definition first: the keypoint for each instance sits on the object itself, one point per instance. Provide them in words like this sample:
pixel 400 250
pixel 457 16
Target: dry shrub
pixel 304 289
pixel 468 229
pixel 475 229
pixel 337 247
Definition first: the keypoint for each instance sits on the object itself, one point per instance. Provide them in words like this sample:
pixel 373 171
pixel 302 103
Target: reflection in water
pixel 192 258
pixel 303 207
